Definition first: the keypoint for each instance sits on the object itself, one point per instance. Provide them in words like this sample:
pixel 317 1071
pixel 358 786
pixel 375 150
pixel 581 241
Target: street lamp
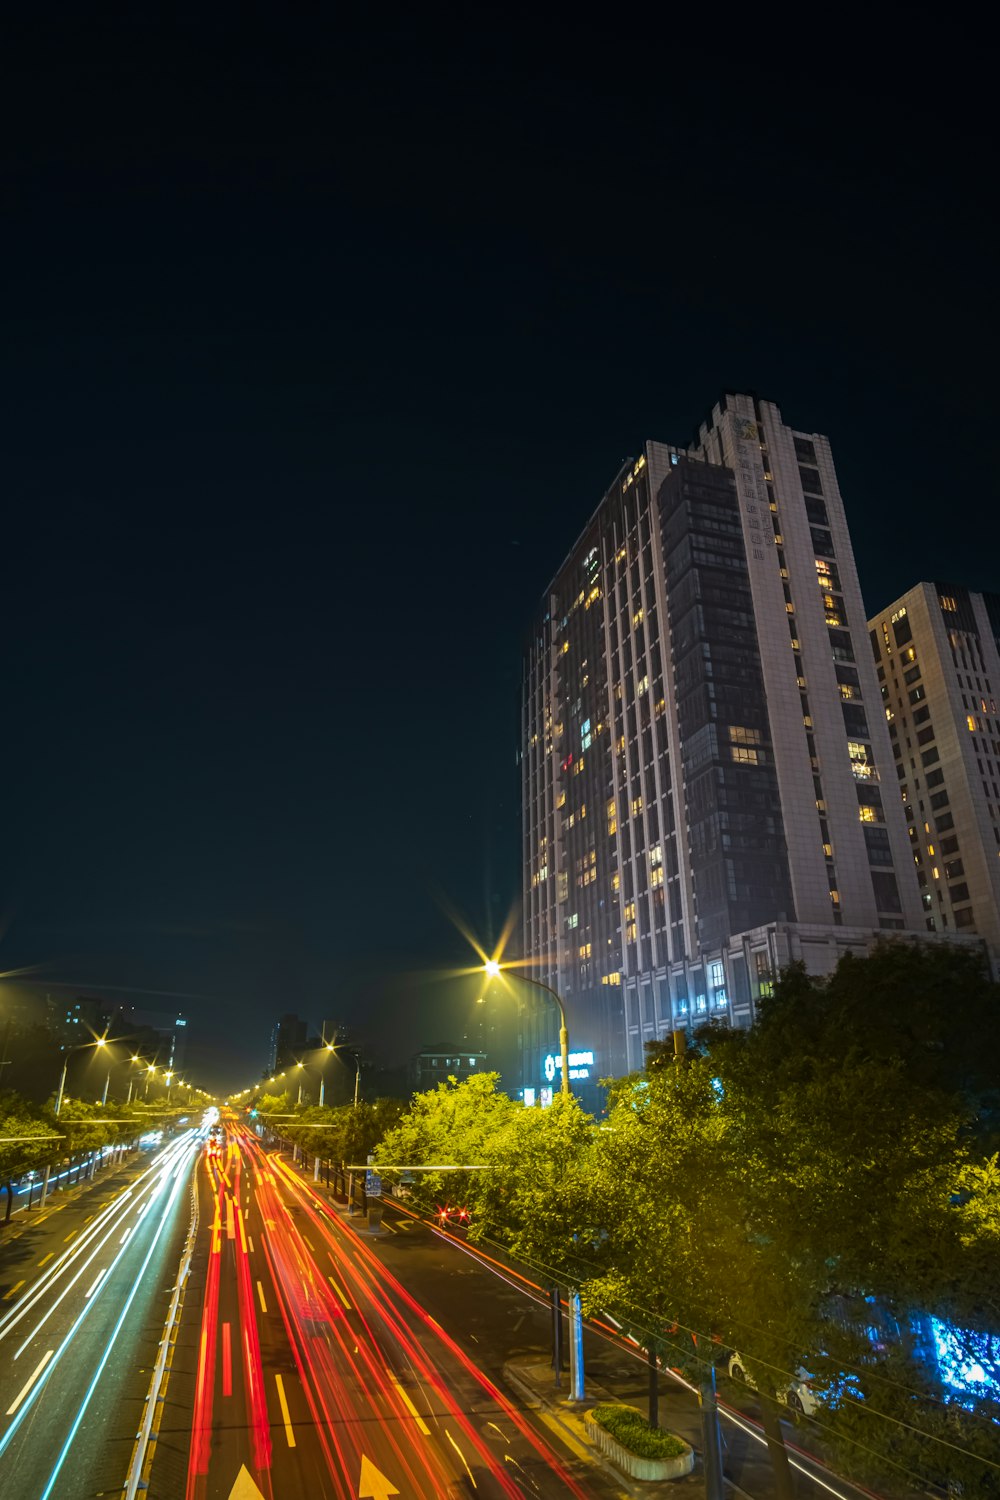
pixel 99 1041
pixel 493 969
pixel 335 1047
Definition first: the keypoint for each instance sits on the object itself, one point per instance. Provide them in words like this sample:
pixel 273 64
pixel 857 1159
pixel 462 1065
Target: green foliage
pixel 630 1428
pixel 451 1126
pixel 20 1118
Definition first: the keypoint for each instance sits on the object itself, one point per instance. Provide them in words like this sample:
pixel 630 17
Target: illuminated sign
pixel 529 1097
pixel 580 1064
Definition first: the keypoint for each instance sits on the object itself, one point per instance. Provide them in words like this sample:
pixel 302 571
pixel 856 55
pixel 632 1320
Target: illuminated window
pixel 616 881
pixel 930 850
pixel 828 850
pixel 585 735
pixel 971 723
pixel 629 911
pixel 789 609
pixel 867 814
pixel 835 897
pixel 636 806
pixel 948 603
pixel 656 855
pixel 742 756
pixel 656 876
pixel 860 757
pixel 642 686
pixel 564 648
pixel 573 921
pixel 578 766
pixel 611 979
pixel 637 617
pixel 630 932
pixel 846 691
pixel 584 950
pixel 832 618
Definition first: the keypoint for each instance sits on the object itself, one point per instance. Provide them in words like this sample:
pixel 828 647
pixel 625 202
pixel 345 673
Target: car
pixel 799 1396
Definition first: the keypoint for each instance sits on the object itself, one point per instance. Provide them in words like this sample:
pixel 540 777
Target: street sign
pixel 373 1182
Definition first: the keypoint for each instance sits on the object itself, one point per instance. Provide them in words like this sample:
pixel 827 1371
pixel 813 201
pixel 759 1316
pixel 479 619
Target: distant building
pixel 706 783
pixel 937 656
pixel 73 1022
pixel 170 1030
pixel 288 1041
pixel 436 1064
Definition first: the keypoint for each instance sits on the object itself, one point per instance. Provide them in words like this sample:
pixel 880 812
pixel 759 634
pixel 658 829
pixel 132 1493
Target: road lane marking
pixel 462 1457
pixel 340 1294
pixel 260 1294
pixel 13 1291
pixel 124 1236
pixel 311 1248
pixel 100 1278
pixel 227 1361
pixel 46 1257
pixel 286 1418
pixel 372 1483
pixel 70 1236
pixel 250 1243
pixel 421 1424
pixel 30 1382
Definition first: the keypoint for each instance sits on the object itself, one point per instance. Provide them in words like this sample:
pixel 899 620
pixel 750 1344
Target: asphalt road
pixel 79 1328
pixel 309 1369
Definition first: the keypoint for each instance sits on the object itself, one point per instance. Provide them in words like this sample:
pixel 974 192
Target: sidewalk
pixel 534 1382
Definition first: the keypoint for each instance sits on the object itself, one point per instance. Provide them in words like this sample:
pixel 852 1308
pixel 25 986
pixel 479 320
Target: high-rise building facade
pixel 937 656
pixel 704 747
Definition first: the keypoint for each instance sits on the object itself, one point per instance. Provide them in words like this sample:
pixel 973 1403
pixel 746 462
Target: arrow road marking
pixel 244 1488
pixel 372 1484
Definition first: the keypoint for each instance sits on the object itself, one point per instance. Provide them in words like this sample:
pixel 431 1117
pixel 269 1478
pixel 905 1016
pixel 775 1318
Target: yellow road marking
pixel 13 1291
pixel 260 1294
pixel 340 1294
pixel 250 1243
pixel 70 1235
pixel 286 1418
pixel 46 1257
pixel 565 1436
pixel 312 1248
pixel 421 1424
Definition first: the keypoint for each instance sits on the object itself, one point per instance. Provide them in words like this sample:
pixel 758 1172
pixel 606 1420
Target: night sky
pixel 318 350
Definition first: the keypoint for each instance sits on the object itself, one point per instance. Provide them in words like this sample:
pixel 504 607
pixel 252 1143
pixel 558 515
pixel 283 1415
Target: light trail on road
pixel 77 1327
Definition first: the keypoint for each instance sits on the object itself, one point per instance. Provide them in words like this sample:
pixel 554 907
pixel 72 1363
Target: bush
pixel 630 1428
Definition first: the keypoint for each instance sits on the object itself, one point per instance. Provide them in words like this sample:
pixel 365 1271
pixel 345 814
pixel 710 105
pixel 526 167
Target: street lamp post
pixel 492 968
pixel 97 1042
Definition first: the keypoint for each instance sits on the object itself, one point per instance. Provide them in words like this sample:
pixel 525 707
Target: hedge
pixel 630 1428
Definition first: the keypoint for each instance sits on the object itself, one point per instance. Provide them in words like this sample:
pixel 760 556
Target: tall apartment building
pixel 937 655
pixel 704 746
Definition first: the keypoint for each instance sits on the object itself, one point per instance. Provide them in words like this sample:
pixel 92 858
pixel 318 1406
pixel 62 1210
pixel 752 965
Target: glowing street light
pixel 493 969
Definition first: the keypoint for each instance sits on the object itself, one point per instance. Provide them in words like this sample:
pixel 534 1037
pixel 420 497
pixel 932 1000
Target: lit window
pixel 835 897
pixel 616 881
pixel 743 756
pixel 574 920
pixel 741 736
pixel 656 877
pixel 846 691
pixel 867 814
pixel 637 617
pixel 970 721
pixel 611 979
pixel 584 950
pixel 948 603
pixel 642 686
pixel 630 932
pixel 828 850
pixel 561 800
pixel 636 806
pixel 656 855
pixel 930 850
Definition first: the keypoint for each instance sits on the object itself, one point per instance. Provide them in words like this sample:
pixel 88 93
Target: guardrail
pixel 134 1483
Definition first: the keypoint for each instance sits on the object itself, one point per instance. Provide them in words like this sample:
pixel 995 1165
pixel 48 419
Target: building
pixel 288 1041
pixel 440 1061
pixel 704 751
pixel 938 663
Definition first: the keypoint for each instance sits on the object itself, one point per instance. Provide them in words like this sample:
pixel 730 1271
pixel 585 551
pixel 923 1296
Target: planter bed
pixel 641 1451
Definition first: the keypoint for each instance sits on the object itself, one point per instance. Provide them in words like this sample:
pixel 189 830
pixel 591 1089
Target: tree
pixel 450 1126
pixel 26 1143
